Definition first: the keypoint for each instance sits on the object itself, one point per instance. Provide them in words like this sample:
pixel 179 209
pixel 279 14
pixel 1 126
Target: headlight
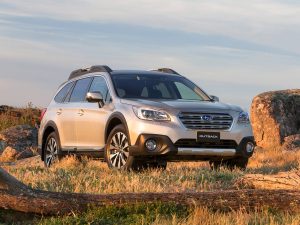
pixel 150 114
pixel 243 118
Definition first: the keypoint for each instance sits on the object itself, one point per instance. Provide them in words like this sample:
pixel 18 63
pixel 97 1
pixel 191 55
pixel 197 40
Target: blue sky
pixel 232 49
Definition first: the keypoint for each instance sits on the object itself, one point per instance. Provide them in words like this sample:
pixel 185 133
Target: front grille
pixel 206 121
pixel 192 143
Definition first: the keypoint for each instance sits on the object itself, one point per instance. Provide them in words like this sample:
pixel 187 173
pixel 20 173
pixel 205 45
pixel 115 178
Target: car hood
pixel 183 105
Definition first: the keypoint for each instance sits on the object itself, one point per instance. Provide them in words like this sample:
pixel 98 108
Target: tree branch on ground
pixel 283 180
pixel 16 196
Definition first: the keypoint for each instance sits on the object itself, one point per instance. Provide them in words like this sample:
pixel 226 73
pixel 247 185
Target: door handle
pixel 81 112
pixel 58 112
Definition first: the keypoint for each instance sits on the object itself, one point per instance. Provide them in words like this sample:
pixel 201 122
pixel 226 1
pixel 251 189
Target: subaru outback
pixel 133 119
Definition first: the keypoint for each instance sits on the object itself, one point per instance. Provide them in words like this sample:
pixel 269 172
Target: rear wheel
pixel 238 163
pixel 117 149
pixel 52 152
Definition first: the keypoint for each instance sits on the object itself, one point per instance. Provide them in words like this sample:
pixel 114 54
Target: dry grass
pixel 170 214
pixel 90 176
pixel 272 161
pixel 93 176
pixel 204 216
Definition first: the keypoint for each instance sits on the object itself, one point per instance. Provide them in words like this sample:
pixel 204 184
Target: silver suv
pixel 137 119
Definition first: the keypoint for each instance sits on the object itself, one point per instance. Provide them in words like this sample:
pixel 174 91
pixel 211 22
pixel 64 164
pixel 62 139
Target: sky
pixel 234 49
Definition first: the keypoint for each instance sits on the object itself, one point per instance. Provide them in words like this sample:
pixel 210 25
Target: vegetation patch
pixel 92 176
pixel 157 214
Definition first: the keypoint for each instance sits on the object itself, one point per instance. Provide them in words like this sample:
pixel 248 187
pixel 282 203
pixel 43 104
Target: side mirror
pixel 95 97
pixel 215 98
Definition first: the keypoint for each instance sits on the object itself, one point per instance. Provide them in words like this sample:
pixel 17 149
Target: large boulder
pixel 18 142
pixel 275 118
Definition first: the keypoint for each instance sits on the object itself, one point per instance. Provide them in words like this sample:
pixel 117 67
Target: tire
pixel 236 163
pixel 52 150
pixel 117 149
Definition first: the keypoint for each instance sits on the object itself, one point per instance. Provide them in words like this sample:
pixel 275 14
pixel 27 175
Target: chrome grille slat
pixel 216 121
pixel 204 122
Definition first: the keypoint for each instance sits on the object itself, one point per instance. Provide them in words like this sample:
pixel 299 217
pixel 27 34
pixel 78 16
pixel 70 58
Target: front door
pixel 91 120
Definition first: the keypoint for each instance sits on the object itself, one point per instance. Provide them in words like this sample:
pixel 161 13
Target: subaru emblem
pixel 206 117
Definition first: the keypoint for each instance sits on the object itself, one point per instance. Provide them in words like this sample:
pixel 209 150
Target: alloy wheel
pixel 51 151
pixel 119 150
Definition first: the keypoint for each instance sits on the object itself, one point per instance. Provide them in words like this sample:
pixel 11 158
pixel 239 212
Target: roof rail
pixel 92 69
pixel 166 70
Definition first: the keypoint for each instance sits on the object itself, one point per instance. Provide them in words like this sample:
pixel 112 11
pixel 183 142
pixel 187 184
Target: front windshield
pixel 157 87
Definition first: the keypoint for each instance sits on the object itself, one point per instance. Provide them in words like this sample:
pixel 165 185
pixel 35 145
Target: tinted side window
pixel 164 90
pixel 63 92
pixel 99 84
pixel 155 90
pixel 80 90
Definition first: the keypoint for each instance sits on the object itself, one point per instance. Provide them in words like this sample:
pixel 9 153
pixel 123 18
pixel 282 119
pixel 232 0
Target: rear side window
pixel 80 90
pixel 63 92
pixel 99 84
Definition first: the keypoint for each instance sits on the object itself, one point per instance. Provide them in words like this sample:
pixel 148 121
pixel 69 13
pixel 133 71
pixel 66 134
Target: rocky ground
pixel 18 142
pixel 18 132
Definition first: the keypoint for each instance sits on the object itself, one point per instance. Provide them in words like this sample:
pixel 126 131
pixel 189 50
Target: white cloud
pixel 247 19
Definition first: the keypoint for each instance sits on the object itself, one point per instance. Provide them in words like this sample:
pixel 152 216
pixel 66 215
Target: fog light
pixel 151 144
pixel 249 147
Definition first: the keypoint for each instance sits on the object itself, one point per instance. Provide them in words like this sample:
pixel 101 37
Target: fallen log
pixel 16 196
pixel 283 180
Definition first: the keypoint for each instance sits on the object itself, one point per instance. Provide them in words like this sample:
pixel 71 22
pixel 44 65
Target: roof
pixel 104 68
pixel 141 72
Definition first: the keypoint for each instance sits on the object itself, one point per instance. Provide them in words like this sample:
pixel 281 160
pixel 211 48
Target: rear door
pixel 91 123
pixel 75 101
pixel 64 118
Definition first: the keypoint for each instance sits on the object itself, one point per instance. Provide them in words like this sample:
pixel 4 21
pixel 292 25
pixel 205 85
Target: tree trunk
pixel 16 196
pixel 283 180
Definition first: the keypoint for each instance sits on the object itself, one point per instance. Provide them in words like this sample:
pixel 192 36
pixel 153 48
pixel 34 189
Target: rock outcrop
pixel 275 118
pixel 18 142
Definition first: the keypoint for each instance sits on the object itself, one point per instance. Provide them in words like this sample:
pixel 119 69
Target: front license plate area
pixel 208 136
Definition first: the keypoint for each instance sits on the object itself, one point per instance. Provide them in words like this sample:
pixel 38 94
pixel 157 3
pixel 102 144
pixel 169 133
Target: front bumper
pixel 189 149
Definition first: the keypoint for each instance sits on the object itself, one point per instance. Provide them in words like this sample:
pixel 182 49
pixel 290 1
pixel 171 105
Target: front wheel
pixel 117 149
